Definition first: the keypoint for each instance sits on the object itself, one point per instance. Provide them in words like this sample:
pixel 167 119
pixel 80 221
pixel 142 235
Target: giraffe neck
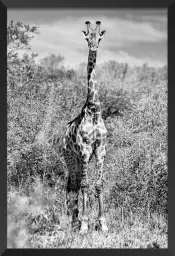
pixel 92 96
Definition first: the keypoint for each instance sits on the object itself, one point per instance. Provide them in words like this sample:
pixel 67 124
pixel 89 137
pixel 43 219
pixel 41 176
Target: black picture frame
pixel 170 5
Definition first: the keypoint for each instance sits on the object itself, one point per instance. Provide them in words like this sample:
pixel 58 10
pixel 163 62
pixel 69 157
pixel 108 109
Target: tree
pixel 52 61
pixel 18 38
pixel 19 68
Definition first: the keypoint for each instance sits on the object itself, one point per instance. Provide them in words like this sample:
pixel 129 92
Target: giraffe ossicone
pixel 84 138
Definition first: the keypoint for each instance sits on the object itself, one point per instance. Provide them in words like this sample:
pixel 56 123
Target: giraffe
pixel 84 138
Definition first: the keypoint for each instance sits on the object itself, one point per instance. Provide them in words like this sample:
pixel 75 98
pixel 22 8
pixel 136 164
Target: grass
pixel 35 221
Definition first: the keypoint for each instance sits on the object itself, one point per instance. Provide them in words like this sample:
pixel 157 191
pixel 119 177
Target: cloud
pixel 156 18
pixel 121 32
pixel 124 57
pixel 64 37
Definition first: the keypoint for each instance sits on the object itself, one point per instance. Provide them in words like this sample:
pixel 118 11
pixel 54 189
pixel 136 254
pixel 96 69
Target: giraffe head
pixel 93 36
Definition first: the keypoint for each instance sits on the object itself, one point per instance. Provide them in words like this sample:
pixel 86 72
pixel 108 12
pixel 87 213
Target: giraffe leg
pixel 84 188
pixel 100 154
pixel 72 201
pixel 73 188
pixel 84 221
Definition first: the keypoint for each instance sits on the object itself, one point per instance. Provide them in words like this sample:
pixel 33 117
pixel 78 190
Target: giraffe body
pixel 86 136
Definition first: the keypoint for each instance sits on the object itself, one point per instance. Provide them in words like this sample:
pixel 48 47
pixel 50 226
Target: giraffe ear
pixel 84 33
pixel 102 33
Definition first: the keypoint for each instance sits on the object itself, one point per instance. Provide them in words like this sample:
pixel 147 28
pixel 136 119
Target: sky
pixel 134 36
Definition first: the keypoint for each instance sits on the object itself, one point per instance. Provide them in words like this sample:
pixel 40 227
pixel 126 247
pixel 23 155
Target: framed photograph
pixel 87 126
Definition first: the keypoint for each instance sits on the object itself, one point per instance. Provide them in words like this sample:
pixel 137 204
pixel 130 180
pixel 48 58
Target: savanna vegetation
pixel 41 99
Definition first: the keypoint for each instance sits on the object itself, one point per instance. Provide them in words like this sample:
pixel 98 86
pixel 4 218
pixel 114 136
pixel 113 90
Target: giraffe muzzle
pixel 94 47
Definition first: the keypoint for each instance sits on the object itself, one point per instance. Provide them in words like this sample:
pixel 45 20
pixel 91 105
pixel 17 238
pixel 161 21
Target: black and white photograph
pixel 87 125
